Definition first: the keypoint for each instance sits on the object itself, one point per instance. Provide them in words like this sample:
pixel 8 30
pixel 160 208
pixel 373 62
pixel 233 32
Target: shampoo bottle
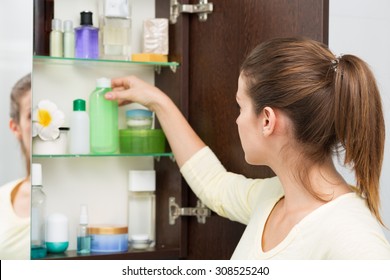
pixel 83 237
pixel 79 129
pixel 103 115
pixel 69 39
pixel 87 37
pixel 38 213
pixel 56 42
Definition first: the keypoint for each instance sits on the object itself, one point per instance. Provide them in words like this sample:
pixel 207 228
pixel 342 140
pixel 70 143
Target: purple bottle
pixel 87 37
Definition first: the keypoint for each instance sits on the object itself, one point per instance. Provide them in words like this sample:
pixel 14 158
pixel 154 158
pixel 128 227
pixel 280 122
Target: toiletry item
pixel 83 237
pixel 116 29
pixel 103 116
pixel 156 36
pixel 57 146
pixel 69 39
pixel 38 213
pixel 87 37
pixel 141 141
pixel 108 238
pixel 57 240
pixel 79 128
pixel 149 57
pixel 139 119
pixel 142 208
pixel 56 40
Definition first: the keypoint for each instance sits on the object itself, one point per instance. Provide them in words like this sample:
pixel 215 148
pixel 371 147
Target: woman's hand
pixel 131 89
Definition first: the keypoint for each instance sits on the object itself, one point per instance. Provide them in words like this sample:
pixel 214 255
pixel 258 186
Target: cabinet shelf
pixel 164 253
pixel 157 155
pixel 49 60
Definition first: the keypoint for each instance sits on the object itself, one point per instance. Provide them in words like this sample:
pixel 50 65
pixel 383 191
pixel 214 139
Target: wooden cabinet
pixel 204 88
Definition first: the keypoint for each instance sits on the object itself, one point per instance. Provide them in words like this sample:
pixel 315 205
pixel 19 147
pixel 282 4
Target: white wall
pixel 15 62
pixel 362 27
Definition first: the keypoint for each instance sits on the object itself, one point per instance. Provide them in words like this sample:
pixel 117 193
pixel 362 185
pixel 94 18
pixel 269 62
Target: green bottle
pixel 103 115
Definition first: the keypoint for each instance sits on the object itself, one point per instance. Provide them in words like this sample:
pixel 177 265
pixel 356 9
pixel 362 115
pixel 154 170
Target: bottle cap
pixel 84 215
pixel 103 83
pixel 79 105
pixel 56 24
pixel 36 174
pixel 86 18
pixel 68 26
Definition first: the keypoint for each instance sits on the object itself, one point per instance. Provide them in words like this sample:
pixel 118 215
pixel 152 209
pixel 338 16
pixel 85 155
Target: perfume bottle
pixel 87 37
pixel 115 19
pixel 83 236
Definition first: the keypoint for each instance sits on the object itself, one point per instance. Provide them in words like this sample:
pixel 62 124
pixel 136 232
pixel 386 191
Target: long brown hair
pixel 333 102
pixel 19 90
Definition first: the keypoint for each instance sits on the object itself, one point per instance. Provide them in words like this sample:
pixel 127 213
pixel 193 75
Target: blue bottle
pixel 87 37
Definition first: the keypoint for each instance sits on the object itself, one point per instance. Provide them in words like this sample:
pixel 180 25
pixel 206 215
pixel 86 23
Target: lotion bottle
pixel 79 129
pixel 56 40
pixel 69 39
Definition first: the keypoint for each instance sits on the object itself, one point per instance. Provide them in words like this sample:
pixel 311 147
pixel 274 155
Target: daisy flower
pixel 47 119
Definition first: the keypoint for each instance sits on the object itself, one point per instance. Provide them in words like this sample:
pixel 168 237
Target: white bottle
pixel 56 40
pixel 79 129
pixel 69 39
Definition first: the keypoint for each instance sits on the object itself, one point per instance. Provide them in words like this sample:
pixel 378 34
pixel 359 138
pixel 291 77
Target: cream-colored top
pixel 14 230
pixel 343 228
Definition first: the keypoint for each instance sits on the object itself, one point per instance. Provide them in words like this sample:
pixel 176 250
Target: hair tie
pixel 335 62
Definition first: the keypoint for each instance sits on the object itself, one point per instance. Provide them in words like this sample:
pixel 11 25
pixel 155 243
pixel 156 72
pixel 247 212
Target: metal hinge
pixel 200 211
pixel 202 9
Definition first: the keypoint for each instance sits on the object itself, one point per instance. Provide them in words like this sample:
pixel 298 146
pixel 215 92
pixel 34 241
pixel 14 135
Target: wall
pixel 15 62
pixel 361 27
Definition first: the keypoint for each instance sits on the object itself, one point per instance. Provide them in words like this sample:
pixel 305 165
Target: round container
pixel 140 241
pixel 108 239
pixel 141 141
pixel 52 147
pixel 57 239
pixel 139 119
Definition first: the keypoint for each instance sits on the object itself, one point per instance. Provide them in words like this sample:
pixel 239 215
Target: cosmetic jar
pixel 108 238
pixel 57 240
pixel 135 141
pixel 139 119
pixel 57 146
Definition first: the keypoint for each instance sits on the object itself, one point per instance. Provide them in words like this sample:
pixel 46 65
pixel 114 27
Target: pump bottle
pixel 83 237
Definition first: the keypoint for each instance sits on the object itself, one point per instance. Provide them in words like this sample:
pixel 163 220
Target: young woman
pixel 299 104
pixel 15 196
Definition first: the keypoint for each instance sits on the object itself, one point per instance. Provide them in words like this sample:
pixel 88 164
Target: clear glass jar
pixel 139 119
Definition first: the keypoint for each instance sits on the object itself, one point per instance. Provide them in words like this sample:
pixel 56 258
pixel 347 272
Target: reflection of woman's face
pixel 22 130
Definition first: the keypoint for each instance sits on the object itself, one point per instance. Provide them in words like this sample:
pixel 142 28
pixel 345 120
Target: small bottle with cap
pixel 79 128
pixel 83 237
pixel 56 38
pixel 87 37
pixel 69 39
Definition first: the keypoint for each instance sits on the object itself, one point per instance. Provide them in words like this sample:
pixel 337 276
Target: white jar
pixel 139 119
pixel 51 147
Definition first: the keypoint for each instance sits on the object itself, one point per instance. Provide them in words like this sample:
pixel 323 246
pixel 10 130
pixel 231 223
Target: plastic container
pixel 141 141
pixel 103 116
pixel 57 240
pixel 87 37
pixel 139 119
pixel 142 208
pixel 69 39
pixel 38 213
pixel 57 146
pixel 56 38
pixel 79 129
pixel 108 238
pixel 83 237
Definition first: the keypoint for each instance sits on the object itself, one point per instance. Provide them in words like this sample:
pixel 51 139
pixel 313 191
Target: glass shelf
pixel 157 155
pixel 80 61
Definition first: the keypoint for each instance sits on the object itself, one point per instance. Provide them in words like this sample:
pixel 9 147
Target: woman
pixel 298 105
pixel 15 195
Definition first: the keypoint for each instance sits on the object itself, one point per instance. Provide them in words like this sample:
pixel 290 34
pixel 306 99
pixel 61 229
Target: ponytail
pixel 359 125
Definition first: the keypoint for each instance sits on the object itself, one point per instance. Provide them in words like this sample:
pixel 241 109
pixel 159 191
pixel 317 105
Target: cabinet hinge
pixel 202 9
pixel 200 211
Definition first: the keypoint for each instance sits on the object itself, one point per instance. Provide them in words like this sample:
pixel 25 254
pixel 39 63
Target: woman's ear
pixel 269 121
pixel 15 128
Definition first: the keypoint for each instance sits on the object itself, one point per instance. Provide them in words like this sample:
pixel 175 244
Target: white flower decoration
pixel 47 120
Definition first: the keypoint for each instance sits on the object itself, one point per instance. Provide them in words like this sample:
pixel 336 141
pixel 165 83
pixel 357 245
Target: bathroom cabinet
pixel 203 85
